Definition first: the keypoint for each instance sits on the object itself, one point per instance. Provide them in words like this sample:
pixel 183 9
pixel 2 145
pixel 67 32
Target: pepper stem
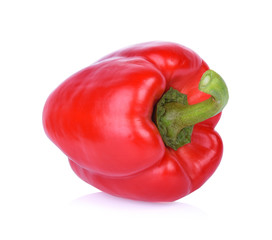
pixel 175 118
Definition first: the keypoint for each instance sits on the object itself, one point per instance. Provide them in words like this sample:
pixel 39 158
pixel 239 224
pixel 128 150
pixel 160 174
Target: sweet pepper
pixel 139 123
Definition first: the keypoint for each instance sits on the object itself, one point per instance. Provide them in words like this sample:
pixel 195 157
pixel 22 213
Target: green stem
pixel 175 118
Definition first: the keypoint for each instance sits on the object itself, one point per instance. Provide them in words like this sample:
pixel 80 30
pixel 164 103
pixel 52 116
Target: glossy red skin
pixel 101 118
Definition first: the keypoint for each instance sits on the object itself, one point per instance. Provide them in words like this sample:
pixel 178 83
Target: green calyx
pixel 175 118
pixel 170 128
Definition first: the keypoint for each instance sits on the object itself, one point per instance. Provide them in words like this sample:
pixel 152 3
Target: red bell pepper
pixel 139 123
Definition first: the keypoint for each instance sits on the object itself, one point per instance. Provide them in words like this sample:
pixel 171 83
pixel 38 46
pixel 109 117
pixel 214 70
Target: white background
pixel 44 42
